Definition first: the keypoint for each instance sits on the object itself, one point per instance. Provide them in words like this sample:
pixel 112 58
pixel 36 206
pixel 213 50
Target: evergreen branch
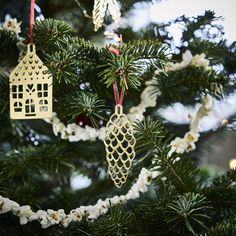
pixel 26 162
pixel 188 209
pixel 116 222
pixel 149 135
pixel 8 48
pixel 117 68
pixel 187 84
pixel 4 91
pixel 195 23
pixel 49 31
pixel 64 66
pixel 225 228
pixel 219 53
pixel 151 215
pixel 84 49
pixel 179 170
pixel 87 50
pixel 87 104
pixel 147 49
pixel 135 59
pixel 221 194
pixel 72 59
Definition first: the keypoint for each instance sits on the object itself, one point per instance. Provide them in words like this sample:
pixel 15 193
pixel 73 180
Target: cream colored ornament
pixel 119 142
pixel 30 88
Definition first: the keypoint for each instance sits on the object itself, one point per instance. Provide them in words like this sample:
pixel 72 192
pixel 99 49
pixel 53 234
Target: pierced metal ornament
pixel 30 88
pixel 119 143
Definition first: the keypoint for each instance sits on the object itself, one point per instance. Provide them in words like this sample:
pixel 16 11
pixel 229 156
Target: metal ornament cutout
pixel 119 143
pixel 30 88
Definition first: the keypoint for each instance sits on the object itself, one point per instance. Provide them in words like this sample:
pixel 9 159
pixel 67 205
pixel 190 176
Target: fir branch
pixel 196 23
pixel 8 48
pixel 26 162
pixel 149 135
pixel 87 104
pixel 188 84
pixel 225 228
pixel 87 50
pixel 178 169
pixel 188 209
pixel 64 66
pixel 151 215
pixel 72 60
pixel 220 53
pixel 147 49
pixel 119 68
pixel 135 59
pixel 221 194
pixel 116 222
pixel 49 31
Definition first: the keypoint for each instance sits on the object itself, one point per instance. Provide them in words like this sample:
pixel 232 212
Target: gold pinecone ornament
pixel 119 143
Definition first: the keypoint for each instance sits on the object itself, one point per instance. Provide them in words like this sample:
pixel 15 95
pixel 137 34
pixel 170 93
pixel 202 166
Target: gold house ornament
pixel 30 88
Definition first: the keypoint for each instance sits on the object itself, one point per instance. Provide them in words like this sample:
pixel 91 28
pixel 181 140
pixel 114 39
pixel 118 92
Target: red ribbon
pixel 31 19
pixel 118 97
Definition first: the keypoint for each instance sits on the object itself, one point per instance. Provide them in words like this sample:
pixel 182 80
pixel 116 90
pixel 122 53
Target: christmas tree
pixel 56 173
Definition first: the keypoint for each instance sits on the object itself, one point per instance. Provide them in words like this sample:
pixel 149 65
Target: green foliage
pixel 187 84
pixel 221 195
pixel 219 53
pixel 4 88
pixel 49 31
pixel 225 228
pixel 116 222
pixel 147 49
pixel 188 209
pixel 8 48
pixel 26 162
pixel 54 37
pixel 151 215
pixel 63 66
pixel 152 141
pixel 135 58
pixel 196 23
pixel 149 135
pixel 87 104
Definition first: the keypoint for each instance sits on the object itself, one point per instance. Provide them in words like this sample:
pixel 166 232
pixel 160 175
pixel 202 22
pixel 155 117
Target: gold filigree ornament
pixel 30 88
pixel 119 143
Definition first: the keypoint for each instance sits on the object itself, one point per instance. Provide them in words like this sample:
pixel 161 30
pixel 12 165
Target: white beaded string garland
pixel 92 212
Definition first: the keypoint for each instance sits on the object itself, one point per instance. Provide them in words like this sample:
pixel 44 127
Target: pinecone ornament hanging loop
pixel 119 143
pixel 31 48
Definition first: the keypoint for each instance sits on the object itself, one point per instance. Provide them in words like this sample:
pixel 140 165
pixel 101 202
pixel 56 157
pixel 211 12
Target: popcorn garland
pixel 12 25
pixel 92 212
pixel 187 143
